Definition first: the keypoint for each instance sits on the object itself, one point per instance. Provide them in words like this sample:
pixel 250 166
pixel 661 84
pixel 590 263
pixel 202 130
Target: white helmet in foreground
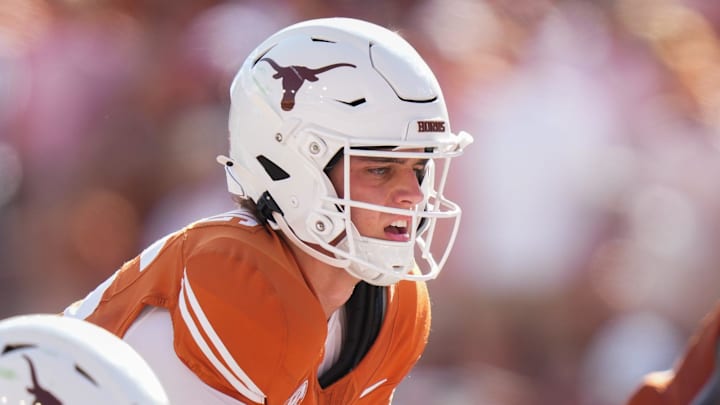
pixel 334 88
pixel 51 360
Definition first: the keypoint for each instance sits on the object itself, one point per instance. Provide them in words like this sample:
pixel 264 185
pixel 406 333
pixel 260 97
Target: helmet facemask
pixel 382 261
pixel 329 233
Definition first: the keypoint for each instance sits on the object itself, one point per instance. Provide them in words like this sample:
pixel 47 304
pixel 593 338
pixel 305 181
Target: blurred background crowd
pixel 588 251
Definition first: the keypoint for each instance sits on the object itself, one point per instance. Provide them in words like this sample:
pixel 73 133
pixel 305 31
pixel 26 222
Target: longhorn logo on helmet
pixel 294 76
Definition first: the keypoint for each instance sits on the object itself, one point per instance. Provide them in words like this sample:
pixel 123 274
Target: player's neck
pixel 332 286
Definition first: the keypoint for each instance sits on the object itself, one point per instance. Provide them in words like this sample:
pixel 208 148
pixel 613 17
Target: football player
pixel 313 290
pixel 696 378
pixel 52 360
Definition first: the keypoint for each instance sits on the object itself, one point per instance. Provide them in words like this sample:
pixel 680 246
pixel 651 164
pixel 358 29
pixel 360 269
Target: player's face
pixel 389 182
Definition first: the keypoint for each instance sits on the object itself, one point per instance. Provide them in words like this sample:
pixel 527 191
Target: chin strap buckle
pixel 266 205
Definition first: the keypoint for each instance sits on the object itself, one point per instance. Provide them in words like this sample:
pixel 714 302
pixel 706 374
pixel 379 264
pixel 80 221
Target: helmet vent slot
pixel 9 348
pixel 354 103
pixel 322 40
pixel 274 171
pixel 85 374
pixel 262 55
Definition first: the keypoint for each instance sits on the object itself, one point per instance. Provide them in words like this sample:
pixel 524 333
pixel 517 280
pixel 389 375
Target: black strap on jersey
pixel 364 311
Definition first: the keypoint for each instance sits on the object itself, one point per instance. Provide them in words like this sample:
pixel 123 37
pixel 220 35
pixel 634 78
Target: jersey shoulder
pixel 238 302
pixel 243 296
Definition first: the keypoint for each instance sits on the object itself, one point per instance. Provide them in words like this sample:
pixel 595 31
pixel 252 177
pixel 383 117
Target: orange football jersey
pixel 695 379
pixel 246 323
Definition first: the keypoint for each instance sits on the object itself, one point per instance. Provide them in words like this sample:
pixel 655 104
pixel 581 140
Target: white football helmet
pixel 341 87
pixel 52 360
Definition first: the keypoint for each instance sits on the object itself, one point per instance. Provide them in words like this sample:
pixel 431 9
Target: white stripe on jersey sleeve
pixel 235 376
pixel 87 306
pixel 150 253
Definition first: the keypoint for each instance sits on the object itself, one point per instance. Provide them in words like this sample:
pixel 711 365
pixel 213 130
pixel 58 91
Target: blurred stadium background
pixel 589 247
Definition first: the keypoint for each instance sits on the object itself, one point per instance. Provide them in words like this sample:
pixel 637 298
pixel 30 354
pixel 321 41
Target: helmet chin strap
pixel 388 254
pixel 333 261
pixel 359 269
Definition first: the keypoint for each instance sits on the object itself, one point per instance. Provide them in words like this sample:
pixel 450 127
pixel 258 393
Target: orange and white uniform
pixel 221 311
pixel 696 378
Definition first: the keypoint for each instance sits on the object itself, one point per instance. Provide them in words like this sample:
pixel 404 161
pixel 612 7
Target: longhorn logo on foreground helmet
pixel 42 396
pixel 376 98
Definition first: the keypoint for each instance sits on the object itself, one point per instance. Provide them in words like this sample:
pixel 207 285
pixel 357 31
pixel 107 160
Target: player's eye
pixel 378 171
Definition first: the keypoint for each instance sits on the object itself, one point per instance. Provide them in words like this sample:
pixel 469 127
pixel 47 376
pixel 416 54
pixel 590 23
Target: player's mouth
pixel 397 231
